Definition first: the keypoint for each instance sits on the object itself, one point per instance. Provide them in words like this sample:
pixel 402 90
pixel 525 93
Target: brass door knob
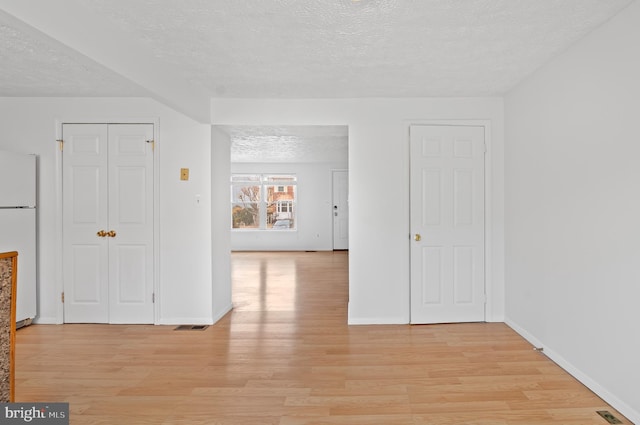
pixel 101 233
pixel 111 233
pixel 417 237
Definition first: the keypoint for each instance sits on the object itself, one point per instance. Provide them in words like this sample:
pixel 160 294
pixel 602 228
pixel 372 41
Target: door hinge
pixel 153 298
pixel 153 144
pixel 485 147
pixel 62 297
pixel 60 144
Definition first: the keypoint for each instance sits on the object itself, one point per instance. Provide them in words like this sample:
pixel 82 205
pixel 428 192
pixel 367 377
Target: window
pixel 284 206
pixel 263 201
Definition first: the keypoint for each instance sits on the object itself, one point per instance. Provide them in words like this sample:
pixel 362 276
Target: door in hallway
pixel 340 209
pixel 447 223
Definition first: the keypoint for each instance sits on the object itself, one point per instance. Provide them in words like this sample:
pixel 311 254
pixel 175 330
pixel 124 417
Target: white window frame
pixel 264 181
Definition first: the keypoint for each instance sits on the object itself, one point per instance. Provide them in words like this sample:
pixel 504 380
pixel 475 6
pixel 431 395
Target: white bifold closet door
pixel 108 223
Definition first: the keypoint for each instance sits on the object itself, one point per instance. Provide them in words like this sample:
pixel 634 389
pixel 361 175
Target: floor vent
pixel 609 417
pixel 191 328
pixel 23 323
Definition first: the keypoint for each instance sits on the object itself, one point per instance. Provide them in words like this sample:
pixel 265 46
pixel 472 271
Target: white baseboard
pixel 354 320
pixel 631 414
pixel 196 320
pixel 377 321
pixel 219 315
pixel 185 321
pixel 523 333
pixel 166 321
pixel 495 319
pixel 46 321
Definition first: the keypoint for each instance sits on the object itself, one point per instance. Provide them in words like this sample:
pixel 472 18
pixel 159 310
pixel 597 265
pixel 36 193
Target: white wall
pixel 314 213
pixel 378 166
pixel 573 207
pixel 220 222
pixel 184 284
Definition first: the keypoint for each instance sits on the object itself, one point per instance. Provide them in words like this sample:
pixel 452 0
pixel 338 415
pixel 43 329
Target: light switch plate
pixel 184 174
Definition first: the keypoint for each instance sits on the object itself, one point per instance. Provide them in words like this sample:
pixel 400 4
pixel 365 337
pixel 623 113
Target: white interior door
pixel 84 194
pixel 447 224
pixel 130 223
pixel 340 210
pixel 108 223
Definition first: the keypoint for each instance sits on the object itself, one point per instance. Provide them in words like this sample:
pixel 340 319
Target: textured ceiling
pixel 33 64
pixel 185 52
pixel 364 48
pixel 289 144
pixel 307 49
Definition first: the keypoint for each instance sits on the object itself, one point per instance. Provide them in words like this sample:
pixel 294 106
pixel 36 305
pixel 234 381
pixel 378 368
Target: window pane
pixel 280 179
pixel 263 201
pixel 280 201
pixel 245 207
pixel 245 178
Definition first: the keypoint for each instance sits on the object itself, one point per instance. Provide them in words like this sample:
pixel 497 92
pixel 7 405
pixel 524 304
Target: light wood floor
pixel 286 356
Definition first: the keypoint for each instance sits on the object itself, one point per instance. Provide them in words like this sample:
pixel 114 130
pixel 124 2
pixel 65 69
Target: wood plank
pixel 286 356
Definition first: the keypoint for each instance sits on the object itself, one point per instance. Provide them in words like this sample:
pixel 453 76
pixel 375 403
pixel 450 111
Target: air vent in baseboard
pixel 609 417
pixel 191 328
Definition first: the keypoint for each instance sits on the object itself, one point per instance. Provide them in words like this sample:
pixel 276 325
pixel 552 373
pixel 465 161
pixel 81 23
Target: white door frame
pixel 488 210
pixel 59 279
pixel 333 173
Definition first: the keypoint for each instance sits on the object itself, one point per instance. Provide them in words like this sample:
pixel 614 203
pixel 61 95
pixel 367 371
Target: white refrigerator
pixel 18 226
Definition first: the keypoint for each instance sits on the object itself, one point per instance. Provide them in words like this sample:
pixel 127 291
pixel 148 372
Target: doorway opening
pixel 288 189
pixel 283 183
